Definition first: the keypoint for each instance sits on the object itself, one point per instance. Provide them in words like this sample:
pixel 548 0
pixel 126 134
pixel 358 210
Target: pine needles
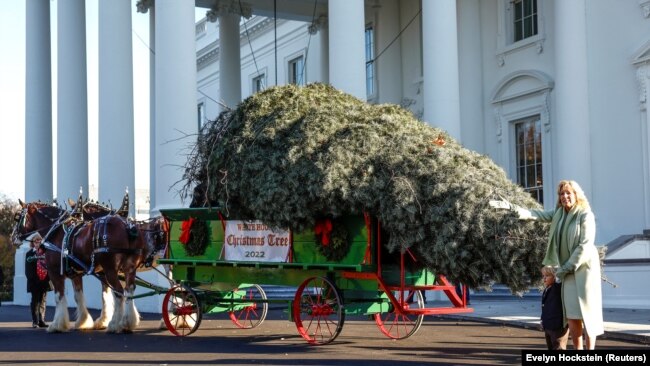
pixel 290 155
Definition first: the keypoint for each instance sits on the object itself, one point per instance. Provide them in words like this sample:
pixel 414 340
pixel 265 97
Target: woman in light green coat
pixel 571 248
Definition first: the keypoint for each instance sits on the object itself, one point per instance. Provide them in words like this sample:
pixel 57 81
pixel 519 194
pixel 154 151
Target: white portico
pixel 542 87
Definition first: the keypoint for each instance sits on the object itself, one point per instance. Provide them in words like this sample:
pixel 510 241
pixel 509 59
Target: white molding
pixel 143 5
pixel 505 46
pixel 210 53
pixel 543 80
pixel 645 7
pixel 228 7
pixel 641 61
pixel 290 57
pixel 513 106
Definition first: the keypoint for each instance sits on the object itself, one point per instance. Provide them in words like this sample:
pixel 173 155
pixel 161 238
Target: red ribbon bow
pixel 186 226
pixel 324 229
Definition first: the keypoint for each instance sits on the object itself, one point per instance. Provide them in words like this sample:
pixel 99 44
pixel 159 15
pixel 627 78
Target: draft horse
pixel 104 247
pixel 155 233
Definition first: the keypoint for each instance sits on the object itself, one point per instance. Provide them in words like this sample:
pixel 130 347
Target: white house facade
pixel 549 89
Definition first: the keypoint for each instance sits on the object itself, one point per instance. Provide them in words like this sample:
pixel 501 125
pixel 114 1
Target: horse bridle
pixel 160 232
pixel 21 217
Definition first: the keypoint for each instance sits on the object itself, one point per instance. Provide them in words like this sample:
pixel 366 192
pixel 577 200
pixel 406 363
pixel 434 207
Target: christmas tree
pixel 292 155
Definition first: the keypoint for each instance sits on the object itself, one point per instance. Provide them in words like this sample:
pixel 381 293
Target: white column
pixel 470 75
pixel 72 115
pixel 324 53
pixel 175 97
pixel 229 60
pixel 441 96
pixel 571 87
pixel 152 108
pixel 389 65
pixel 116 141
pixel 347 59
pixel 38 106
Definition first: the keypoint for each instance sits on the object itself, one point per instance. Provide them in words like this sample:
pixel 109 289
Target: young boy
pixel 555 332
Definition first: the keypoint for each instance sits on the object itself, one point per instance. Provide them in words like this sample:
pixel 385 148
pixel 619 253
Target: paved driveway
pixel 275 342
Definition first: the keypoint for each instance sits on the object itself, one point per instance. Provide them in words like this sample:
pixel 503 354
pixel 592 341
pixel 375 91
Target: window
pixel 200 109
pixel 370 61
pixel 524 19
pixel 528 146
pixel 259 83
pixel 297 71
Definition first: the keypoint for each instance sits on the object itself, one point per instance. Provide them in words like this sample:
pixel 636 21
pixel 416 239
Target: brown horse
pixel 154 232
pixel 103 247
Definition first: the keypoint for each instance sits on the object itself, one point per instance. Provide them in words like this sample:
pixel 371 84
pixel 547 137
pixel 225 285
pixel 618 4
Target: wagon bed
pixel 366 281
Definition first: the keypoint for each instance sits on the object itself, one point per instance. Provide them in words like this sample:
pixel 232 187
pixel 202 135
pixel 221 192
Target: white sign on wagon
pixel 255 241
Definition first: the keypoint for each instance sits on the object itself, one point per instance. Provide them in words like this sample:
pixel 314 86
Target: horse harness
pixel 72 228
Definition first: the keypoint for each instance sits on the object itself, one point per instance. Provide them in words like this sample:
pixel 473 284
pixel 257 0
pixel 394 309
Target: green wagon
pixel 364 281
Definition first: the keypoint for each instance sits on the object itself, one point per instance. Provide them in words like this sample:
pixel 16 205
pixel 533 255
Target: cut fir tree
pixel 290 155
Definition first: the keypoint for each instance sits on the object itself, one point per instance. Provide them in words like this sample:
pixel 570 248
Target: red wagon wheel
pixel 396 324
pixel 318 311
pixel 181 311
pixel 251 309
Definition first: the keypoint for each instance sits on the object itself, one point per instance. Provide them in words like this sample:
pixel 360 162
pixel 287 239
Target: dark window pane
pixel 518 10
pixel 530 176
pixel 528 152
pixel 528 27
pixel 528 7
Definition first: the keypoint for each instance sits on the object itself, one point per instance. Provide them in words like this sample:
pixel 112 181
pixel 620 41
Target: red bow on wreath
pixel 323 229
pixel 186 226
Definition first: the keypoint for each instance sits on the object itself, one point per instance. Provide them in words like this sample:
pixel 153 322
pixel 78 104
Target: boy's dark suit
pixel 556 333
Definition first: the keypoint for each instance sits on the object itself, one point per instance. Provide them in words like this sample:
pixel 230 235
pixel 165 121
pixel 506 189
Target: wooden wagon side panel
pixel 306 245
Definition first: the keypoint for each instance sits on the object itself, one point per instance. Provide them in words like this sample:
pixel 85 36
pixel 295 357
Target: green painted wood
pixel 305 247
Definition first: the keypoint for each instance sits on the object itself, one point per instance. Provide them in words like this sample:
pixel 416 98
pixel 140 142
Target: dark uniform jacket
pixel 552 311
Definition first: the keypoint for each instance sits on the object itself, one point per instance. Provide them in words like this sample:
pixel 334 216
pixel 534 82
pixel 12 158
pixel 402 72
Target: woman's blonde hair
pixel 581 199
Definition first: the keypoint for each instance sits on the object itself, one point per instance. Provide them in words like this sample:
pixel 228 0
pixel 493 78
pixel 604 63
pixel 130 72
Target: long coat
pixel 571 247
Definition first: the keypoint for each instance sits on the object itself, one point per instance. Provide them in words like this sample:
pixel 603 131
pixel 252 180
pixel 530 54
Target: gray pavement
pixel 622 324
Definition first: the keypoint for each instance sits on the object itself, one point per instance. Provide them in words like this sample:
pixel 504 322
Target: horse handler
pixel 38 282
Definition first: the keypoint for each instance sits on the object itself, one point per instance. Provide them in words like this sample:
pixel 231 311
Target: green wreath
pixel 199 238
pixel 338 245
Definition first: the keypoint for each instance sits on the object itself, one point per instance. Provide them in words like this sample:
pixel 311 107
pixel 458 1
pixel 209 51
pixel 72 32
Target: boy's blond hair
pixel 549 269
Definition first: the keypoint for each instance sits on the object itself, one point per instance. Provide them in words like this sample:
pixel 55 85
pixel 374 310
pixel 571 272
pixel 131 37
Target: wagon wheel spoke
pixel 318 311
pixel 251 307
pixel 181 311
pixel 396 324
